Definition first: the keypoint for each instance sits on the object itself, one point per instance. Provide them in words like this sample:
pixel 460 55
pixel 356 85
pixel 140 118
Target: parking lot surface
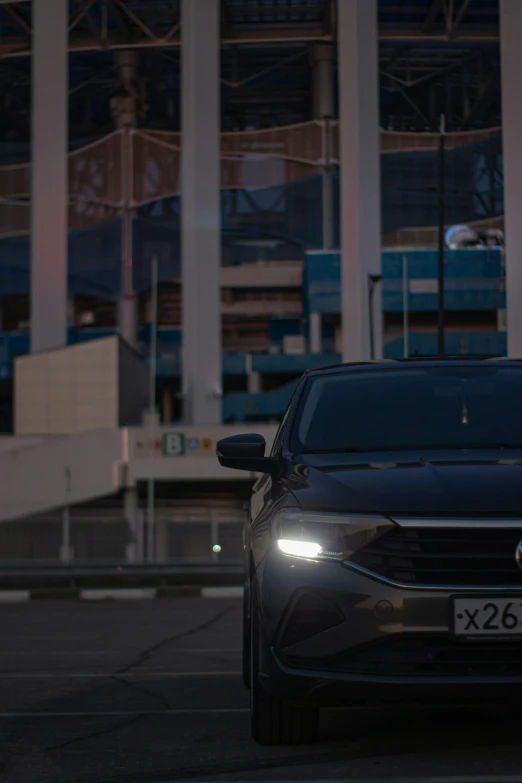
pixel 150 690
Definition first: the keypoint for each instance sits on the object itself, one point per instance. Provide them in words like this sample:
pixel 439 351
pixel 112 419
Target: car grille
pixel 445 556
pixel 435 655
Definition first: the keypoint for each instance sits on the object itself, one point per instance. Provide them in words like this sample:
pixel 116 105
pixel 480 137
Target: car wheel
pixel 246 639
pixel 273 721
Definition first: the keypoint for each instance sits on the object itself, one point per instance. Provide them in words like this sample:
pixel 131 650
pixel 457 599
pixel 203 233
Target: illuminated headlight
pixel 299 548
pixel 325 536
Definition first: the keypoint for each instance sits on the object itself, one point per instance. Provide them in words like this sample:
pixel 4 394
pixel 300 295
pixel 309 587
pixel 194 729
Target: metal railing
pixel 104 536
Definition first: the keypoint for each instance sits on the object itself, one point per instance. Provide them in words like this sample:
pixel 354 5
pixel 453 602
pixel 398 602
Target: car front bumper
pixel 388 643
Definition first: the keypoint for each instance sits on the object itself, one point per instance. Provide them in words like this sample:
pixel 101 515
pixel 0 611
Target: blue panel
pixel 456 344
pixel 410 180
pixel 234 364
pixel 291 213
pixel 86 335
pixel 279 328
pixel 322 282
pixel 94 261
pixel 169 339
pixel 168 367
pixel 157 237
pixel 242 406
pixel 14 265
pixel 291 363
pixel 171 366
pixel 474 280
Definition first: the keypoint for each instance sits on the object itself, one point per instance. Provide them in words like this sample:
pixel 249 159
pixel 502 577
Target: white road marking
pixel 118 713
pixel 60 653
pixel 13 596
pixel 405 779
pixel 58 638
pixel 222 592
pixel 119 593
pixel 111 675
pixel 90 653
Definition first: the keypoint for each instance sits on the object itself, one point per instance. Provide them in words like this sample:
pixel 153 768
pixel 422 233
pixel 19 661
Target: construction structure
pixel 280 160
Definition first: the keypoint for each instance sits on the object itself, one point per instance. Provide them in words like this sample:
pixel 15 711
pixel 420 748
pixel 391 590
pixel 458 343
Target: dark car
pixel 384 547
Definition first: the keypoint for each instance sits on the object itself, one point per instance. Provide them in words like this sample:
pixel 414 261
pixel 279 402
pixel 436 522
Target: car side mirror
pixel 246 452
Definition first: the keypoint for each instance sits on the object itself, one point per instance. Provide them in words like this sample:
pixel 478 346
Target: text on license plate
pixel 487 616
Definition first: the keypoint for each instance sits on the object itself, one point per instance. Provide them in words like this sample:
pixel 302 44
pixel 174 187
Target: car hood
pixel 403 484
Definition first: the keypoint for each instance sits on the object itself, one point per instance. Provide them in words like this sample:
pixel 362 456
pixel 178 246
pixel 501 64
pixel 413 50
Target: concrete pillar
pixel 360 175
pixel 510 37
pixel 324 109
pixel 50 106
pixel 201 211
pixel 254 383
pixel 254 380
pixel 124 110
pixel 316 333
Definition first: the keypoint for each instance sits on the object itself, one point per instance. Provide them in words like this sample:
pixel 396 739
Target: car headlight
pixel 314 535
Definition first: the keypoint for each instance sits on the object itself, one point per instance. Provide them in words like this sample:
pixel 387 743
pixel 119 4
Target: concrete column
pixel 316 333
pixel 201 211
pixel 254 380
pixel 124 110
pixel 510 37
pixel 323 94
pixel 254 383
pixel 50 105
pixel 360 175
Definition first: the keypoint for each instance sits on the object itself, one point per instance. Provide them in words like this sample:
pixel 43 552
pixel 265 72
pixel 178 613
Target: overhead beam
pixel 18 19
pixel 17 46
pixel 476 34
pixel 458 18
pixel 434 10
pixel 121 23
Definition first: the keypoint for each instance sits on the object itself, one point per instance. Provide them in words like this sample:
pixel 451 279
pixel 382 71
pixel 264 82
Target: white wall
pixel 101 462
pixel 11 442
pixel 146 455
pixel 34 477
pixel 69 390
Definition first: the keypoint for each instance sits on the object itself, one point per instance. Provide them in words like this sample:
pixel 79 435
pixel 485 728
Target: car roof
pixel 397 364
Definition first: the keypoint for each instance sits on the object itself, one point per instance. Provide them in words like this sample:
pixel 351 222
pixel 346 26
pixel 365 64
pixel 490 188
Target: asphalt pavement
pixel 150 691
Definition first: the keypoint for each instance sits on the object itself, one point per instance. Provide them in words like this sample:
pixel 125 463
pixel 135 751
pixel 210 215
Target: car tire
pixel 273 721
pixel 246 638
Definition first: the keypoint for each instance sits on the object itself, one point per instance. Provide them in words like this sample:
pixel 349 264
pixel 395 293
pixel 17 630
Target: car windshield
pixel 410 408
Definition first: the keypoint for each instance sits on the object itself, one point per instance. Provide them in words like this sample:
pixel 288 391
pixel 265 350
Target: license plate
pixel 493 616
